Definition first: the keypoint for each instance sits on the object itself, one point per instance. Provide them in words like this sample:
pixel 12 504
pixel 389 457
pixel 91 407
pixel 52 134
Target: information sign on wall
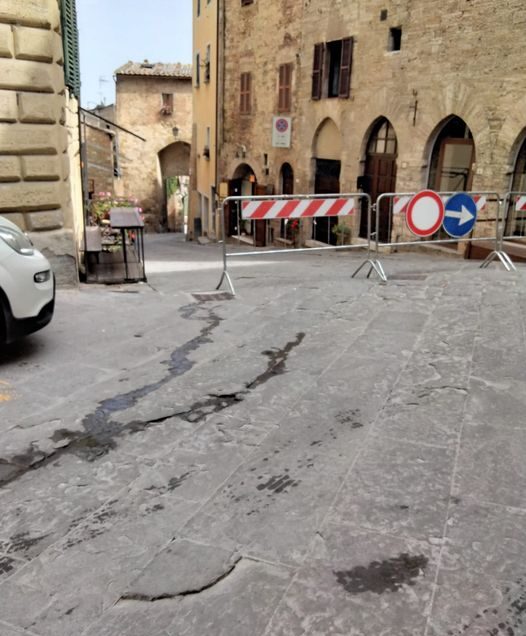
pixel 281 132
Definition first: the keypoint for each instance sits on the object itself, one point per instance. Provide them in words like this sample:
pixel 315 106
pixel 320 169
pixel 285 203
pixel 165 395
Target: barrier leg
pixel 225 275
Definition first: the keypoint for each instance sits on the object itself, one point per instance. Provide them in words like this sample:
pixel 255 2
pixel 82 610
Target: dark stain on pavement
pixel 277 359
pixel 278 484
pixel 21 542
pixel 6 565
pixel 507 620
pixel 100 432
pixel 350 416
pixel 383 576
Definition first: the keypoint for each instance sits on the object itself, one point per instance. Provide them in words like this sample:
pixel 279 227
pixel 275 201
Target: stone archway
pixel 327 151
pixel 174 163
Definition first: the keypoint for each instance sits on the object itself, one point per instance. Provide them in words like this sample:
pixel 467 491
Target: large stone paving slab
pixel 320 455
pixel 359 583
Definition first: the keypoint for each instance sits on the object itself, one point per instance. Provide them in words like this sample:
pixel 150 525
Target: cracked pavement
pixel 319 455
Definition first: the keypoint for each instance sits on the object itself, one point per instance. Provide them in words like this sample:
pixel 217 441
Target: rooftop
pixel 156 69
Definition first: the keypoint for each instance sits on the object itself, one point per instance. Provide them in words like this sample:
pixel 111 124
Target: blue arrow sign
pixel 460 215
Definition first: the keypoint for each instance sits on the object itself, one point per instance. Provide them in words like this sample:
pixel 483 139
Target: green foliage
pixel 102 203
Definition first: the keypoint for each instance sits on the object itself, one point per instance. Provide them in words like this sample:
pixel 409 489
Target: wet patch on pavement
pixel 380 577
pixel 100 432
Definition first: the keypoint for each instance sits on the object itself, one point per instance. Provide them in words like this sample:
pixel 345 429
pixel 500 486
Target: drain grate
pixel 206 296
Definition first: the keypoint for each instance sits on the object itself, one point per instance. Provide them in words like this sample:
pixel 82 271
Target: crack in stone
pixel 277 359
pixel 101 432
pixel 161 597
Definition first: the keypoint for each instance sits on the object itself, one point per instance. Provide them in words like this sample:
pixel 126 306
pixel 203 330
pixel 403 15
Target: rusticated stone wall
pixel 35 168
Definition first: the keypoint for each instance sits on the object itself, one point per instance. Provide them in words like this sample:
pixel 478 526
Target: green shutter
pixel 70 40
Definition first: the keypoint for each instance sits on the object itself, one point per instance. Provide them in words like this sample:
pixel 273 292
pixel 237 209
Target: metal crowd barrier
pixel 513 221
pixel 290 207
pixel 391 208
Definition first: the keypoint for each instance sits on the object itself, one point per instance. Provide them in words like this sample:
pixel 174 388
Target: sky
pixel 111 32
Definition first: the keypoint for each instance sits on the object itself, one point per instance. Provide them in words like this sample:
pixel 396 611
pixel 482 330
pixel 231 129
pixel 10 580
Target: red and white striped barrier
pixel 400 203
pixel 520 204
pixel 297 208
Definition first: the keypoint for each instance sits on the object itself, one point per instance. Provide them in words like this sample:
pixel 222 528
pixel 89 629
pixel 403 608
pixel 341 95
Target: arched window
pixel 383 139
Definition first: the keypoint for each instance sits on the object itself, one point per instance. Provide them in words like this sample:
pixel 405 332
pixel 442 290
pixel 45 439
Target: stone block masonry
pixel 35 191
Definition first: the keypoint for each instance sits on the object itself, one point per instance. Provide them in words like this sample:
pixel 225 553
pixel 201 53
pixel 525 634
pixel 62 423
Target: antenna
pixel 102 98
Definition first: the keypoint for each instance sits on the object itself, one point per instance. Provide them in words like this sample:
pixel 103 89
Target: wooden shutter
pixel 70 41
pixel 285 88
pixel 346 67
pixel 244 93
pixel 317 70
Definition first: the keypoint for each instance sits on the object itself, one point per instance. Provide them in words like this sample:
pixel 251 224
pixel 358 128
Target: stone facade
pixel 100 139
pixel 36 132
pixel 203 184
pixel 166 127
pixel 418 65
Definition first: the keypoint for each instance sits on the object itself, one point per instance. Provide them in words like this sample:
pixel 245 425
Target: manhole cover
pixel 204 296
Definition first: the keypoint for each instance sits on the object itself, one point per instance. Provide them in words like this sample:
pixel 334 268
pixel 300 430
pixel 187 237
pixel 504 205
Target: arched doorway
pixel 327 168
pixel 174 162
pixel 244 184
pixel 286 185
pixel 516 221
pixel 452 157
pixel 380 174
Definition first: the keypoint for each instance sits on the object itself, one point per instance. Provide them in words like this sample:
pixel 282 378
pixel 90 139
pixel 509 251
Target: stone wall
pixel 138 109
pixel 99 151
pixel 35 167
pixel 457 57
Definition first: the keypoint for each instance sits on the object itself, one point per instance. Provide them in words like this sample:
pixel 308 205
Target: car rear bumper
pixel 19 327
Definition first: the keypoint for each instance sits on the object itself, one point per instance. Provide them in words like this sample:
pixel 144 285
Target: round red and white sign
pixel 425 213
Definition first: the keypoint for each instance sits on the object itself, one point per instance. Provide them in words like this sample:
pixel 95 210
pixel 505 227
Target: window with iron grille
pixel 70 41
pixel 332 68
pixel 245 99
pixel 285 88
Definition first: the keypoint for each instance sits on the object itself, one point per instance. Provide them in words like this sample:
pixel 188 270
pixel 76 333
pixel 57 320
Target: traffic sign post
pixel 460 215
pixel 427 211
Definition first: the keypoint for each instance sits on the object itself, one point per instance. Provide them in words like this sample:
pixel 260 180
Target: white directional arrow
pixel 464 215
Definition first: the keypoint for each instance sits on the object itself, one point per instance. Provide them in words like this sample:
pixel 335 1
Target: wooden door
pixel 380 178
pixel 327 181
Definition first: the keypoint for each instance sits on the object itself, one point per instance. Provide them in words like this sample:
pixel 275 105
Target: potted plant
pixel 343 233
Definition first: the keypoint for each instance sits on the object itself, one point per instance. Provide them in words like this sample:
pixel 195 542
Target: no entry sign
pixel 425 213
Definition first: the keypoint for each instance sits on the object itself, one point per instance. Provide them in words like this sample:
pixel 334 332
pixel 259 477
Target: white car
pixel 27 285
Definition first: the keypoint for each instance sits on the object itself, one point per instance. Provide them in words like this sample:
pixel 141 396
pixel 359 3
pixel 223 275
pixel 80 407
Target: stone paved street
pixel 319 455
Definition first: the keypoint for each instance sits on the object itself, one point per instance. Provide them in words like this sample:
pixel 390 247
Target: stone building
pixel 155 102
pixel 203 183
pixel 40 183
pixel 380 96
pixel 102 155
